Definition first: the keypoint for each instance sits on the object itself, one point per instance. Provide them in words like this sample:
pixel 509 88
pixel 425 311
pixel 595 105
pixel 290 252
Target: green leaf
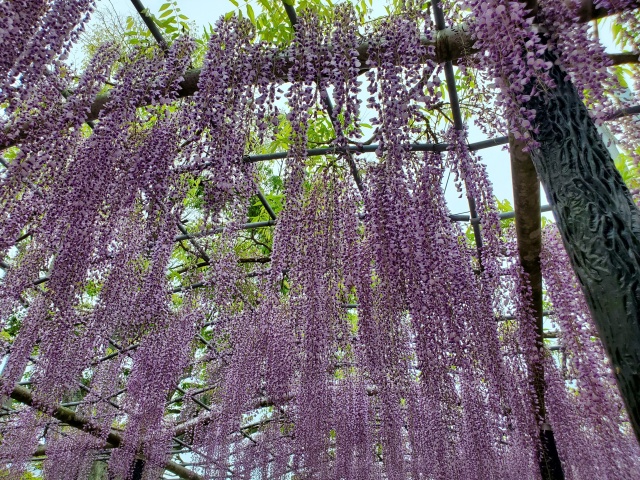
pixel 504 206
pixel 616 30
pixel 164 6
pixel 167 21
pixel 620 75
pixel 251 14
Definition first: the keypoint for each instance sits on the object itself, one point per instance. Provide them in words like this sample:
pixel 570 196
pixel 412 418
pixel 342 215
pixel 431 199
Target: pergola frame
pixel 450 44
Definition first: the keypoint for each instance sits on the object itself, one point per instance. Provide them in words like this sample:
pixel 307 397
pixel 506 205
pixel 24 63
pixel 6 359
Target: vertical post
pixel 526 196
pixel 599 224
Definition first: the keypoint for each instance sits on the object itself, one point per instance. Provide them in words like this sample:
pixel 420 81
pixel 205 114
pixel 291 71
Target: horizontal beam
pixel 270 223
pixel 503 318
pixel 503 215
pixel 195 286
pixel 626 112
pixel 414 147
pixel 244 226
pixel 65 415
pixel 449 45
pixel 624 57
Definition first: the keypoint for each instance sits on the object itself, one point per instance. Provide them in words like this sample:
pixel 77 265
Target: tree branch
pixel 71 418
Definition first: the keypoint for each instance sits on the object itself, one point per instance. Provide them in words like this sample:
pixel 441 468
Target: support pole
pixel 599 224
pixel 151 25
pixel 526 196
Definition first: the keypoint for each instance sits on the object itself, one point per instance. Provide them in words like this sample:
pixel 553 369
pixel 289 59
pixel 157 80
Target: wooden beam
pixel 450 44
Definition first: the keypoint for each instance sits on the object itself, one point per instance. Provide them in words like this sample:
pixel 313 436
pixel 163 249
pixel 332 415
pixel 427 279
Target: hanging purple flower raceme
pixel 147 172
pixel 29 263
pixel 77 200
pixel 616 5
pixel 106 385
pixel 601 417
pixel 380 315
pixel 157 364
pixel 394 99
pixel 513 60
pixel 19 441
pixel 58 30
pixel 400 243
pixel 397 67
pixel 320 319
pixel 280 348
pixel 20 21
pixel 343 67
pixel 310 322
pixel 59 121
pixel 430 456
pixel 122 278
pixel 354 452
pixel 582 453
pixel 452 315
pixel 218 123
pixel 70 453
pixel 471 173
pixel 580 54
pixel 305 53
pixel 31 330
pixel 46 143
pixel 92 206
pixel 524 357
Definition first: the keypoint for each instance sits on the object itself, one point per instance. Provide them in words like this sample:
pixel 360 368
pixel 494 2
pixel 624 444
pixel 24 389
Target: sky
pixel 202 13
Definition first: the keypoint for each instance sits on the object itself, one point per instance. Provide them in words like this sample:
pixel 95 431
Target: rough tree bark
pixel 599 224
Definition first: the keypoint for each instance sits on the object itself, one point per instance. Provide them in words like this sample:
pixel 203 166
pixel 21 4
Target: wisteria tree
pixel 230 255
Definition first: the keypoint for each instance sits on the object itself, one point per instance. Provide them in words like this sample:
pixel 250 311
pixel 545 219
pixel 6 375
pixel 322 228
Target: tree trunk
pixel 599 224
